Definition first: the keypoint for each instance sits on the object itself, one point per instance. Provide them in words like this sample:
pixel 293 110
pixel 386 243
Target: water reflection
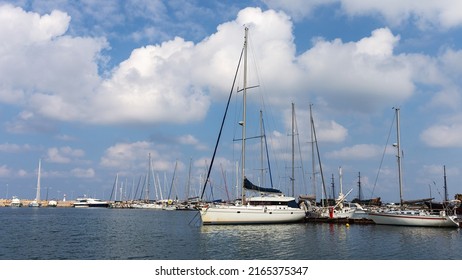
pixel 147 234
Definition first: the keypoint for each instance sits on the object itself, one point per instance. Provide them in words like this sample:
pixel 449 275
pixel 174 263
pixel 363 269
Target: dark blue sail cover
pixel 249 186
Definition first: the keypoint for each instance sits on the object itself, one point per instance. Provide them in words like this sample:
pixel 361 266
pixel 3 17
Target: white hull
pixel 52 203
pixel 34 204
pixel 402 219
pixel 249 214
pixel 147 206
pixel 90 203
pixel 16 202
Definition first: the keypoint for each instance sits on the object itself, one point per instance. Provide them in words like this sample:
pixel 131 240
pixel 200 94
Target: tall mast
pixel 445 185
pixel 313 161
pixel 292 179
pixel 262 139
pixel 148 179
pixel 244 95
pixel 37 196
pixel 398 147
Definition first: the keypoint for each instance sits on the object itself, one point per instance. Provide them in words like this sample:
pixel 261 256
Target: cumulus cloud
pixel 443 135
pixel 365 70
pixel 423 13
pixel 14 148
pixel 360 151
pixel 133 157
pixel 63 154
pixel 83 173
pixel 298 9
pixel 5 171
pixel 55 75
pixel 445 13
pixel 193 141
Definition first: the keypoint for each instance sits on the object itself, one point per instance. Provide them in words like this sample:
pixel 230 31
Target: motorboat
pixel 15 202
pixel 87 202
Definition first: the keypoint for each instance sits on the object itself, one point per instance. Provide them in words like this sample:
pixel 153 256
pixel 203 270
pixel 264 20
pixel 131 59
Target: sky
pixel 92 88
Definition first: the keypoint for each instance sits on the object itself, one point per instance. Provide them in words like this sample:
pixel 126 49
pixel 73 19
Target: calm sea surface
pixel 127 234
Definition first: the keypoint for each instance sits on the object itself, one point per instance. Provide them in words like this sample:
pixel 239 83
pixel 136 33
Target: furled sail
pixel 250 186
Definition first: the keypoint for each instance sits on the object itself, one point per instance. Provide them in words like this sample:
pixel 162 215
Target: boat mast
pixel 313 131
pixel 398 155
pixel 148 183
pixel 262 139
pixel 37 196
pixel 292 179
pixel 445 185
pixel 313 161
pixel 244 95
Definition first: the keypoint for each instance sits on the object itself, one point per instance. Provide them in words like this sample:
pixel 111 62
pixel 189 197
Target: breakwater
pixel 25 203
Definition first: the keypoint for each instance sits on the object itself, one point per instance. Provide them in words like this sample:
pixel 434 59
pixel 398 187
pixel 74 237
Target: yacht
pixel 86 202
pixel 15 202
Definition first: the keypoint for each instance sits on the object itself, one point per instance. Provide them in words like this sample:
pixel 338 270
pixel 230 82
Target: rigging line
pixel 383 155
pixel 319 157
pixel 300 153
pixel 137 187
pixel 114 187
pixel 264 106
pixel 267 155
pixel 222 124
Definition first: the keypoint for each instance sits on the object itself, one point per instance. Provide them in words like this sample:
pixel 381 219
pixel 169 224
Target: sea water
pixel 137 234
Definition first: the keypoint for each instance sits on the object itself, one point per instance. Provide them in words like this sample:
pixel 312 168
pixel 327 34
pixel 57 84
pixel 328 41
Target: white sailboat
pixel 411 217
pixel 36 201
pixel 270 207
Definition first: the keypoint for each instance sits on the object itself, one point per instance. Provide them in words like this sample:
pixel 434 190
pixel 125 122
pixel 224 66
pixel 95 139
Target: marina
pixel 139 234
pixel 310 218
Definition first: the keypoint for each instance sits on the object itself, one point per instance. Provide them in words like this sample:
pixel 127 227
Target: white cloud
pixel 123 155
pixel 366 76
pixel 133 157
pixel 422 13
pixel 193 141
pixel 5 171
pixel 14 148
pixel 360 151
pixel 298 9
pixel 55 75
pixel 83 173
pixel 63 154
pixel 443 135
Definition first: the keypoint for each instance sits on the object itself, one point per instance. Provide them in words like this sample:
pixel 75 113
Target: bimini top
pixel 249 186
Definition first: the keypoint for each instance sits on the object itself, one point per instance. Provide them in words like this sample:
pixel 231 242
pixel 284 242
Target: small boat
pixel 15 202
pixel 52 203
pixel 34 203
pixel 87 202
pixel 411 217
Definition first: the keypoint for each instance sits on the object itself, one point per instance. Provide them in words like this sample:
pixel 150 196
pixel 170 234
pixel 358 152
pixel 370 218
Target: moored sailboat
pixel 269 207
pixel 410 217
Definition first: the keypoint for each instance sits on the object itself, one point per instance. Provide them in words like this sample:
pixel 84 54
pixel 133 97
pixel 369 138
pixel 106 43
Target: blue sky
pixel 93 87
